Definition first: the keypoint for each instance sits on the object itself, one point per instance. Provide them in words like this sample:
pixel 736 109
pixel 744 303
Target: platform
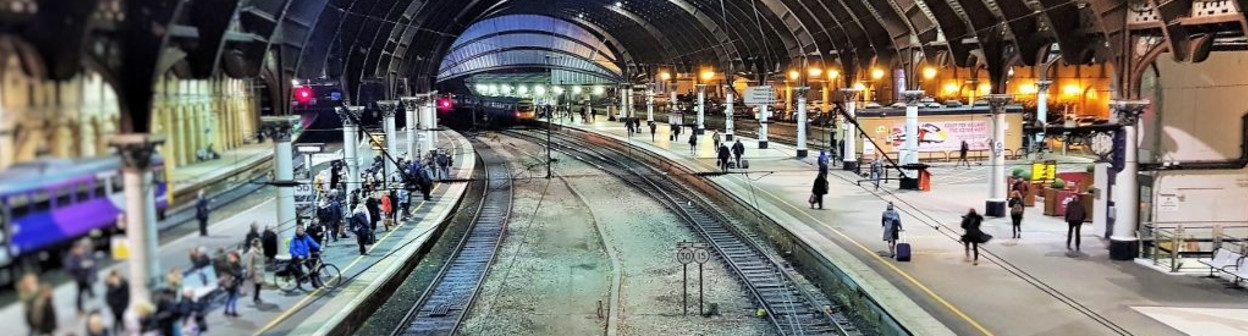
pixel 298 313
pixel 1030 286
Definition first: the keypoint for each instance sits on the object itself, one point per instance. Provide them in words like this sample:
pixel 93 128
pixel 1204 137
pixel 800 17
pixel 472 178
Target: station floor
pixel 1028 286
pixel 298 313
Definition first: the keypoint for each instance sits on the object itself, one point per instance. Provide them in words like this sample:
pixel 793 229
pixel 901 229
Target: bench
pixel 202 282
pixel 1221 261
pixel 1240 272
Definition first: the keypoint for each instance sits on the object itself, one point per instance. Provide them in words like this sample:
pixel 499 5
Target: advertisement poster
pixel 944 136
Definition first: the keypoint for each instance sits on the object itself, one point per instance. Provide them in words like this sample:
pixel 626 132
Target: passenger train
pixel 47 205
pixel 501 109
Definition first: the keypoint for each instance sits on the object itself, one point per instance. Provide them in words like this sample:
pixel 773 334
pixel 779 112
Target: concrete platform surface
pixel 1028 286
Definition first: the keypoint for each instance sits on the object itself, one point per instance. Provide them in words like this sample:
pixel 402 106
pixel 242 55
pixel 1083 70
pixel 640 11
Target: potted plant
pixel 1051 198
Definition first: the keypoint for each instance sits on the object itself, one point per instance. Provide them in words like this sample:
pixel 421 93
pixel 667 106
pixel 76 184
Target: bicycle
pixel 326 274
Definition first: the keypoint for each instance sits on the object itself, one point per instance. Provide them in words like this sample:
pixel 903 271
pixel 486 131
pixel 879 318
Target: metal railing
pixel 1168 245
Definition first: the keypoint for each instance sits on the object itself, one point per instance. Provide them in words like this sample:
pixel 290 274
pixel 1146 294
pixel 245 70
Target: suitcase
pixel 903 251
pixel 745 164
pixel 732 165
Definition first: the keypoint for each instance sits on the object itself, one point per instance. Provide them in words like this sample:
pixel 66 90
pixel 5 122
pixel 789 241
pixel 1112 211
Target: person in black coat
pixel 201 213
pixel 1075 215
pixel 359 225
pixel 738 150
pixel 374 211
pixel 653 127
pixel 818 190
pixel 81 266
pixel 117 296
pixel 254 233
pixel 269 242
pixel 972 236
pixel 724 155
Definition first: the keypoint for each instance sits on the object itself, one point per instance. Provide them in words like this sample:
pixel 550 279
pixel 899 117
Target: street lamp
pixel 708 75
pixel 929 73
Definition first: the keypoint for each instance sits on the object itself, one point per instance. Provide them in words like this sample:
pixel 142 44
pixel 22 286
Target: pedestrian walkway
pixel 1027 286
pixel 299 312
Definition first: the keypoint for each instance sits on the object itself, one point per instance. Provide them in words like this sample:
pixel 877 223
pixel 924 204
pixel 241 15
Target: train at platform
pixel 47 205
pixel 506 110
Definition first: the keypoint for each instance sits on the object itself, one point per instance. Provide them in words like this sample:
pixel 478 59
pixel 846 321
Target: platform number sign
pixel 304 193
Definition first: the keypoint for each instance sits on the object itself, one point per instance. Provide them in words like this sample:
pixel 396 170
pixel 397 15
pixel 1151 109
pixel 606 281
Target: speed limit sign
pixel 684 255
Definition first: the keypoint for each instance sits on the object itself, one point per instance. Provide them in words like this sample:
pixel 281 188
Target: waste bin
pixel 916 182
pixel 925 180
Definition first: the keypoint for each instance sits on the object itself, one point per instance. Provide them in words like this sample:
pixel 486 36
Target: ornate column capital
pixel 912 96
pixel 348 114
pixel 279 127
pixel 1043 86
pixel 1128 111
pixel 136 149
pixel 801 91
pixel 409 103
pixel 998 101
pixel 388 107
pixel 850 94
pixel 701 86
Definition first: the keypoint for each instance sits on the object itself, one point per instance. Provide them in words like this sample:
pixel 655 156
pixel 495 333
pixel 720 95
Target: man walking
pixel 1075 214
pixel 693 144
pixel 737 151
pixel 877 172
pixel 715 138
pixel 962 155
pixel 723 157
pixel 201 212
pixel 823 162
pixel 653 127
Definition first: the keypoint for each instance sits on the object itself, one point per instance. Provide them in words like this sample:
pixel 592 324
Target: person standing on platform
pixel 962 155
pixel 269 242
pixel 444 165
pixel 42 314
pixel 737 151
pixel 80 264
pixel 724 155
pixel 653 129
pixel 675 133
pixel 715 138
pixel 253 233
pixel 972 235
pixel 359 225
pixel 255 269
pixel 840 148
pixel 693 144
pixel 232 280
pixel 117 296
pixel 1016 213
pixel 1075 215
pixel 818 190
pixel 823 162
pixel 201 212
pixel 877 172
pixel 405 203
pixel 891 222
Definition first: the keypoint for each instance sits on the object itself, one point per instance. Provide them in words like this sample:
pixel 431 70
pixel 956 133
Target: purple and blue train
pixel 46 205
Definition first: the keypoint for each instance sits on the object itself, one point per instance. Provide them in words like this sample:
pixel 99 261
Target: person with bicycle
pixel 301 248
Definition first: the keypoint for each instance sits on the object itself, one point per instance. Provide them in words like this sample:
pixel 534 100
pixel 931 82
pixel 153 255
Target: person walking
pixel 715 138
pixel 327 216
pixel 387 210
pixel 738 150
pixel 818 190
pixel 359 225
pixel 693 144
pixel 301 249
pixel 654 127
pixel 41 317
pixel 231 281
pixel 374 210
pixel 891 222
pixel 117 297
pixel 405 203
pixel 877 172
pixel 201 212
pixel 80 264
pixel 972 235
pixel 823 162
pixel 255 269
pixel 1075 215
pixel 962 155
pixel 723 157
pixel 1016 213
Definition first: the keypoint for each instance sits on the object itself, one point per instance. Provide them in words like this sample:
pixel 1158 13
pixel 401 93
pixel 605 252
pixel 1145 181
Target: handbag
pixel 811 200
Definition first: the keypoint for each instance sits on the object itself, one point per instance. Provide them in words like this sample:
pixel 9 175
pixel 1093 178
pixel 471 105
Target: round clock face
pixel 1102 144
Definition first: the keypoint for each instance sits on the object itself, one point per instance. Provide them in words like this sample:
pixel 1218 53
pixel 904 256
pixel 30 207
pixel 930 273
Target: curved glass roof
pixel 527 41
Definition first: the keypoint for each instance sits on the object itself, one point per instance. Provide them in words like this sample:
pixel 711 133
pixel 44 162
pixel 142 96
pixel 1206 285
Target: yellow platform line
pixel 295 308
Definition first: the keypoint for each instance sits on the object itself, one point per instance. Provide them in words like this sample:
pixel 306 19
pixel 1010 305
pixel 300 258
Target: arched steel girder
pixel 531 66
pixel 466 52
pixel 757 31
pixel 498 38
pixel 525 57
pixel 650 28
pixel 715 28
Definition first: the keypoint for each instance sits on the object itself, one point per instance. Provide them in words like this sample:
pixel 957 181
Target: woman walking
pixel 891 221
pixel 255 268
pixel 1016 213
pixel 117 296
pixel 973 236
pixel 818 190
pixel 231 280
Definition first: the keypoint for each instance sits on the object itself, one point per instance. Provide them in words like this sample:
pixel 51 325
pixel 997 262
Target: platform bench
pixel 1223 260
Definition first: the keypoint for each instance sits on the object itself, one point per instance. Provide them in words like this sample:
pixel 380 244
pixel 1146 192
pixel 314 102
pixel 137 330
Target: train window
pixel 84 191
pixel 117 183
pixel 40 201
pixel 100 189
pixel 63 196
pixel 19 205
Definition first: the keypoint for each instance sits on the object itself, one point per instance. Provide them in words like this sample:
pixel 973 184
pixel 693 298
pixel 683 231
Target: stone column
pixel 701 110
pixel 849 161
pixel 911 152
pixel 279 130
pixel 429 123
pixel 728 115
pixel 649 105
pixel 995 205
pixel 411 106
pixel 178 135
pixel 350 144
pixel 622 95
pixel 1123 242
pixel 7 156
pixel 388 110
pixel 632 108
pixel 140 219
pixel 1042 110
pixel 763 114
pixel 801 120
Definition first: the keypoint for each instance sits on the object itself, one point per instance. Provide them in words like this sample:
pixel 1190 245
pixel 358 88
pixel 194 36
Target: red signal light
pixel 303 94
pixel 445 104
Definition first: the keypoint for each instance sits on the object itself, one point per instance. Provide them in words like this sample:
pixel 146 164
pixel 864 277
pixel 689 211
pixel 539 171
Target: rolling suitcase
pixel 903 250
pixel 745 164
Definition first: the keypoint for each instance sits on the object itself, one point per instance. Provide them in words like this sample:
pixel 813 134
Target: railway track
pixel 791 309
pixel 443 306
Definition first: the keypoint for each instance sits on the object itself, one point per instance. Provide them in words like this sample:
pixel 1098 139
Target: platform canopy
pixel 528 41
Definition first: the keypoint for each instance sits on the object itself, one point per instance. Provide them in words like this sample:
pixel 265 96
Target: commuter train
pixel 47 205
pixel 501 109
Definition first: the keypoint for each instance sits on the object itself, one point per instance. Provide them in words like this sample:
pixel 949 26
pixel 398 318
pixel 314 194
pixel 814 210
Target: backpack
pixel 1017 208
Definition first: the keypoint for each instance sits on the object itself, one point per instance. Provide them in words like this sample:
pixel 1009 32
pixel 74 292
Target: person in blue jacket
pixel 301 248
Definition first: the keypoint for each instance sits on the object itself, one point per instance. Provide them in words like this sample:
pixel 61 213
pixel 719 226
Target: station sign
pixel 760 95
pixel 305 193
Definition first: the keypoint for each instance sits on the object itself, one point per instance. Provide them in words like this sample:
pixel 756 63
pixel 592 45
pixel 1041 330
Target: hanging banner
pixel 944 136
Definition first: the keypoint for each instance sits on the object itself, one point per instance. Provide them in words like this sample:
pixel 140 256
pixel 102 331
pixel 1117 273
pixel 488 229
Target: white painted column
pixel 622 95
pixel 1123 242
pixel 850 160
pixel 410 109
pixel 1042 109
pixel 995 205
pixel 279 129
pixel 388 109
pixel 728 115
pixel 429 123
pixel 801 120
pixel 136 154
pixel 650 105
pixel 1100 200
pixel 701 110
pixel 763 114
pixel 910 154
pixel 632 110
pixel 350 144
